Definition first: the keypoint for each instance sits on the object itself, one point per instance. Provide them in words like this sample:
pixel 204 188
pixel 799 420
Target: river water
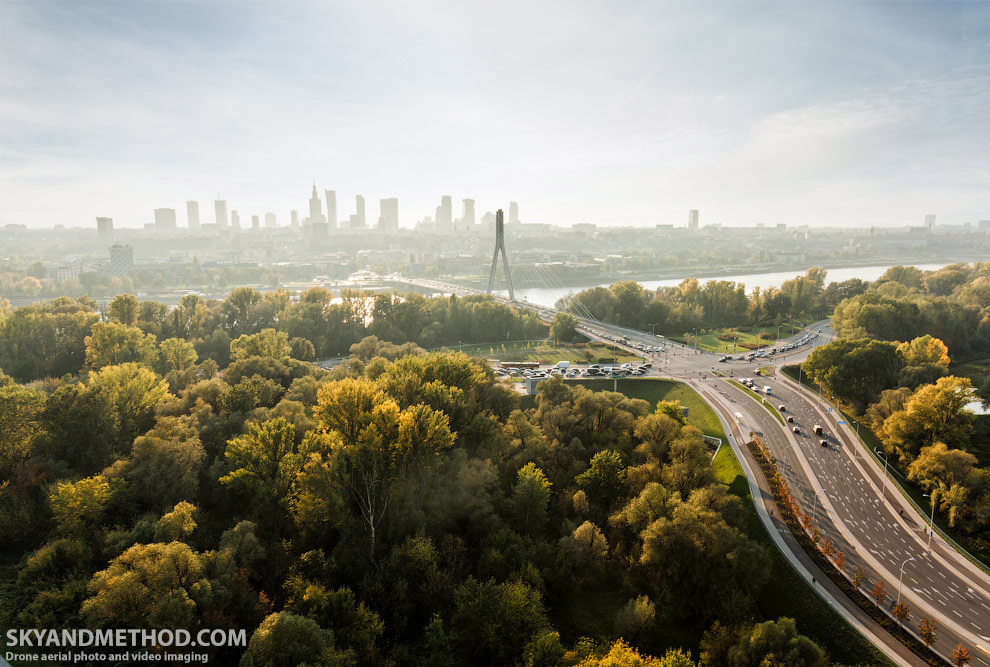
pixel 549 296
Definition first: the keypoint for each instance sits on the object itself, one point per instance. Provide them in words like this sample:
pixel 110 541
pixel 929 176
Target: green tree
pixel 132 393
pixel 563 329
pixel 776 643
pixel 110 344
pixel 20 424
pixel 604 479
pixel 123 309
pixel 266 343
pixel 285 639
pixel 265 461
pixel 855 371
pixel 492 622
pixel 176 355
pixel 925 350
pixel 935 413
pixel 530 497
pixel 165 463
pixel 78 507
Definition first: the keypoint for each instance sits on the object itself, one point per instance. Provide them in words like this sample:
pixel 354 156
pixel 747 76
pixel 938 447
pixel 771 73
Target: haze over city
pixel 839 114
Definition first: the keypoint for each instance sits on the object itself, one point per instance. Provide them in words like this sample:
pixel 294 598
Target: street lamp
pixel 886 460
pixel 931 522
pixel 778 334
pixel 814 512
pixel 696 338
pixel 899 579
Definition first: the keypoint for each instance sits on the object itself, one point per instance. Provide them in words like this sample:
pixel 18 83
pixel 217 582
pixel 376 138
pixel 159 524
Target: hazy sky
pixel 606 112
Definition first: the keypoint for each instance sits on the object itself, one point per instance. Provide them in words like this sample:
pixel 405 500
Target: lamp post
pixel 886 459
pixel 899 578
pixel 778 334
pixel 696 338
pixel 931 522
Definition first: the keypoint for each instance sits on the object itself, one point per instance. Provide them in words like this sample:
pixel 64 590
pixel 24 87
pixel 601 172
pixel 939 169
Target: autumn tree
pixel 928 629
pixel 902 612
pixel 960 656
pixel 935 413
pixel 879 593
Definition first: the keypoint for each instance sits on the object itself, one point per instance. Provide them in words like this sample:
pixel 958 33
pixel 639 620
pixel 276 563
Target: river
pixel 549 296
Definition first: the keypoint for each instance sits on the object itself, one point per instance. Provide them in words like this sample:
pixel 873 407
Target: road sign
pixel 841 422
pixel 830 409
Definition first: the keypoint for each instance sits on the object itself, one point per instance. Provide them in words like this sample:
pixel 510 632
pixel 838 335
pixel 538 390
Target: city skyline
pixel 839 114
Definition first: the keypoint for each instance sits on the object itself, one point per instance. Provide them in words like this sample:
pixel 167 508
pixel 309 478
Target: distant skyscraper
pixel 192 214
pixel 220 213
pixel 121 259
pixel 930 222
pixel 294 218
pixel 445 215
pixel 235 220
pixel 693 218
pixel 270 220
pixel 164 219
pixel 104 229
pixel 362 222
pixel 255 222
pixel 467 220
pixel 513 213
pixel 389 222
pixel 315 209
pixel 331 208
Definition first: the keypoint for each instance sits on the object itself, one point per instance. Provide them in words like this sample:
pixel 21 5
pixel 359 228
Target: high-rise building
pixel 331 208
pixel 121 259
pixel 693 218
pixel 220 213
pixel 315 208
pixel 294 218
pixel 445 216
pixel 930 222
pixel 513 213
pixel 362 222
pixel 270 220
pixel 192 214
pixel 467 219
pixel 164 219
pixel 104 229
pixel 389 221
pixel 235 220
pixel 255 222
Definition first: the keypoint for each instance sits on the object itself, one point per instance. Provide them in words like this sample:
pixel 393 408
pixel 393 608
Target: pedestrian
pixel 813 581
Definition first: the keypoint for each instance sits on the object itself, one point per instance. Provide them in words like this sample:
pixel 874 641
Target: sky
pixel 614 113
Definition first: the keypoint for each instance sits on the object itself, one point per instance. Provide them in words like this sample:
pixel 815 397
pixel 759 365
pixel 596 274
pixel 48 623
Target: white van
pixel 767 391
pixel 563 365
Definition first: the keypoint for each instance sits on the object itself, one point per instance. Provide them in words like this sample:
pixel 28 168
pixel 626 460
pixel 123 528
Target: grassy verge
pixel 741 338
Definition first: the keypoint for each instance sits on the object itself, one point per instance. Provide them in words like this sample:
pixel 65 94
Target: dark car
pixel 823 442
pixel 796 429
pixel 790 420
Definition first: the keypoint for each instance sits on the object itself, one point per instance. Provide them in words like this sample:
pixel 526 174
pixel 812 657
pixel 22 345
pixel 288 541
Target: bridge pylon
pixel 500 246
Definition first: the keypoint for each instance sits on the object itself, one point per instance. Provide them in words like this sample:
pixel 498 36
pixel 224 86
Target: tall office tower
pixel 315 208
pixel 389 222
pixel 270 220
pixel 220 213
pixel 104 229
pixel 235 220
pixel 693 218
pixel 360 211
pixel 255 222
pixel 121 259
pixel 445 216
pixel 164 219
pixel 467 220
pixel 930 222
pixel 192 214
pixel 294 218
pixel 513 213
pixel 331 208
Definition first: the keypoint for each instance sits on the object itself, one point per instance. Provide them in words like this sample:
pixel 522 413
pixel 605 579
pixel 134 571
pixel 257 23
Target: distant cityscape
pixel 322 245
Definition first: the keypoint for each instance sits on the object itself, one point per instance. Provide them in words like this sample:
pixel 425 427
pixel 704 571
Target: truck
pixel 563 365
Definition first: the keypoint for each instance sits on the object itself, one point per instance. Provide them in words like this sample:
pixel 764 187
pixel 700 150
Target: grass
pixel 580 353
pixel 748 337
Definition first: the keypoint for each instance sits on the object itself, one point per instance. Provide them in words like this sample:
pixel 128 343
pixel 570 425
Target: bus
pixel 520 364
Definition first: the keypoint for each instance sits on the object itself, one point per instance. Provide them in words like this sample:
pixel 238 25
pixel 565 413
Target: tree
pixel 879 593
pixel 530 498
pixel 20 423
pixel 165 463
pixel 672 409
pixel 960 656
pixel 859 576
pixel 285 638
pixel 265 461
pixel 110 344
pixel 902 612
pixel 840 560
pixel 928 629
pixel 132 392
pixel 925 350
pixel 123 309
pixel 604 479
pixel 79 506
pixel 935 413
pixel 636 617
pixel 176 355
pixel 267 343
pixel 855 371
pixel 776 643
pixel 563 329
pixel 493 622
pixel 176 525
